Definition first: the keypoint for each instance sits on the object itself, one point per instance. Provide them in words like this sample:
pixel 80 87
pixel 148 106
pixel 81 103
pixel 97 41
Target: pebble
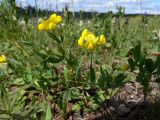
pixel 123 110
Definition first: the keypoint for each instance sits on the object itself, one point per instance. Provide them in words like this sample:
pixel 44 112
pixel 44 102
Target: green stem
pixel 91 59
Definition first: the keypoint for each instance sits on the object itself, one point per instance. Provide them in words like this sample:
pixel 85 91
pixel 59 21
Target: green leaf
pixel 13 102
pixel 48 113
pixel 78 72
pixel 19 81
pixel 131 63
pixel 29 77
pixel 66 73
pixel 5 99
pixel 67 95
pixel 124 52
pixel 149 65
pixel 61 50
pixel 137 52
pixel 75 94
pixel 76 108
pixel 50 57
pixel 119 80
pixel 157 65
pixel 72 60
pixel 53 35
pixel 42 83
pixel 61 104
pixel 141 63
pixel 105 80
pixel 54 59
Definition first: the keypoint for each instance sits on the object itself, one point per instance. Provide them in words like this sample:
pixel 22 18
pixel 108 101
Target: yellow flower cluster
pixel 90 41
pixel 3 58
pixel 50 24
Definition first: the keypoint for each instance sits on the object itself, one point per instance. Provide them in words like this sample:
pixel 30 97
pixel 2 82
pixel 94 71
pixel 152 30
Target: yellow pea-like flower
pixel 50 24
pixel 55 18
pixel 81 41
pixel 59 19
pixel 85 32
pixel 90 41
pixel 3 58
pixel 41 27
pixel 102 40
pixel 90 46
pixel 96 40
pixel 91 38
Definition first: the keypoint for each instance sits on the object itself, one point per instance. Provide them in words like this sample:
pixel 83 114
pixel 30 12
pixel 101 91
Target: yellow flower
pixel 3 58
pixel 90 46
pixel 41 27
pixel 55 18
pixel 89 40
pixel 102 40
pixel 80 41
pixel 50 24
pixel 85 33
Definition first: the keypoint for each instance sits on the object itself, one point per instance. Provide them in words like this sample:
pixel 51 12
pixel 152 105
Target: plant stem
pixel 91 59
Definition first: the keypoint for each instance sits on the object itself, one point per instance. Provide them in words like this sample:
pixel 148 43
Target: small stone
pixel 112 109
pixel 131 96
pixel 123 110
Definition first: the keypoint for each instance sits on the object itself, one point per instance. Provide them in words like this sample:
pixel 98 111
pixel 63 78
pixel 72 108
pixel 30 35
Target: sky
pixel 131 6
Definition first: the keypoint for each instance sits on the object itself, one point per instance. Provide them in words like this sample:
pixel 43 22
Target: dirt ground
pixel 128 104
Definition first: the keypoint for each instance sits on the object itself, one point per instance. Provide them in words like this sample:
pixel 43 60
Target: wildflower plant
pixel 90 41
